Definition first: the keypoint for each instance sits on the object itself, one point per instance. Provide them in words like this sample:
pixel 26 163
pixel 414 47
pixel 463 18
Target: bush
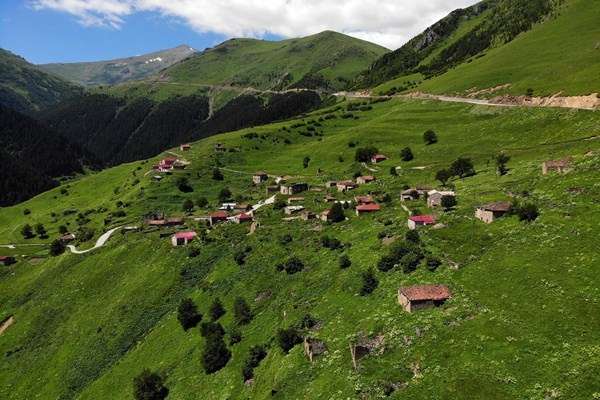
pixel 193 251
pixel 293 265
pixel 149 386
pixel 430 137
pixel 331 243
pixel 364 154
pixel 57 247
pixel 26 211
pixel 63 230
pixel 413 236
pixel 224 195
pixel 345 261
pixel 448 201
pixel 217 175
pixel 410 262
pixel 527 212
pixel 255 355
pixel 216 310
pixel 216 355
pixel 240 258
pixel 188 205
pixel 406 154
pixel 27 231
pixel 202 202
pixel 187 314
pixel 242 315
pixel 443 175
pixel 288 338
pixel 235 335
pixel 432 263
pixel 462 167
pixel 393 171
pixel 211 328
pixel 336 213
pixel 182 184
pixel 370 282
pixel 386 263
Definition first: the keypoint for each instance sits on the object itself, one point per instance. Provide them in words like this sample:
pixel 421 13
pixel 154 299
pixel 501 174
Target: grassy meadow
pixel 522 321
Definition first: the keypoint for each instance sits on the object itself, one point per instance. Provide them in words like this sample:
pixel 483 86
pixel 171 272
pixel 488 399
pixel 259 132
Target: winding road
pixel 100 242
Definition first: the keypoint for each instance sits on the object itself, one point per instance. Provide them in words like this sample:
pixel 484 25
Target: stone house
pixel 418 220
pixel 434 197
pixel 293 188
pixel 414 298
pixel 259 177
pixel 185 147
pixel 361 180
pixel 360 200
pixel 489 212
pixel 292 209
pixel 367 208
pixel 559 165
pixel 272 189
pixel 218 217
pixel 344 186
pixel 242 218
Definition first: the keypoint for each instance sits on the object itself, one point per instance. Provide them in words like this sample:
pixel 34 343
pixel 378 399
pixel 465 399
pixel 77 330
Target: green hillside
pixel 327 61
pixel 547 46
pixel 27 89
pixel 522 320
pixel 91 74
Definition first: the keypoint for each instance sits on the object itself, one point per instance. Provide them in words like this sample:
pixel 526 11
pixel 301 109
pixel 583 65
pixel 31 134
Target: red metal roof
pixel 425 292
pixel 2 258
pixel 185 235
pixel 219 215
pixel 426 219
pixel 244 216
pixel 163 165
pixel 368 207
pixel 379 157
pixel 364 199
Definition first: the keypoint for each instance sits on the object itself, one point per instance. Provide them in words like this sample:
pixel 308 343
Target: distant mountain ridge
pixel 111 72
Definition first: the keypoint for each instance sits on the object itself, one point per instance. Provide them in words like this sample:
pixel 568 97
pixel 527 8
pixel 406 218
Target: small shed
pixel 185 147
pixel 67 238
pixel 183 238
pixel 7 260
pixel 295 199
pixel 178 166
pixel 378 158
pixel 419 220
pixel 174 221
pixel 294 188
pixel 344 186
pixel 272 189
pixel 414 298
pixel 489 212
pixel 434 197
pixel 361 180
pixel 168 161
pixel 367 208
pixel 259 177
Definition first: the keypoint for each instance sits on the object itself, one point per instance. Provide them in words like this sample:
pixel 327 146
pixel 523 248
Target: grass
pixel 520 322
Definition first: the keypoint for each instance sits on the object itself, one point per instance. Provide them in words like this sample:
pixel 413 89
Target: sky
pixel 47 31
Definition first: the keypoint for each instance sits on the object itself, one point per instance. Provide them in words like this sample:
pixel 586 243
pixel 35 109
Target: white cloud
pixel 387 22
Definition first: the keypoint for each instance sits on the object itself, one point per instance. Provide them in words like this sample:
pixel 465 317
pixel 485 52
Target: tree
pixel 430 137
pixel 288 338
pixel 27 231
pixel 187 314
pixel 370 282
pixel 345 261
pixel 149 386
pixel 336 213
pixel 255 355
pixel 462 167
pixel 306 161
pixel 63 230
pixel 527 212
pixel 216 310
pixel 432 263
pixel 413 236
pixel 217 175
pixel 242 315
pixel 393 171
pixel 292 265
pixel 448 201
pixel 240 257
pixel 188 205
pixel 364 154
pixel 216 355
pixel 406 154
pixel 501 161
pixel 40 230
pixel 182 184
pixel 57 247
pixel 386 262
pixel 202 202
pixel 224 195
pixel 443 175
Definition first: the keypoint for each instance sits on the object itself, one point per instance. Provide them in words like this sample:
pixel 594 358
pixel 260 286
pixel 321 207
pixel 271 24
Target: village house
pixel 344 186
pixel 325 216
pixel 419 220
pixel 67 238
pixel 7 260
pixel 185 147
pixel 295 199
pixel 178 166
pixel 327 199
pixel 361 180
pixel 367 208
pixel 434 197
pixel 227 206
pixel 242 218
pixel 162 167
pixel 378 158
pixel 330 184
pixel 218 217
pixel 489 212
pixel 168 161
pixel 174 221
pixel 363 200
pixel 408 194
pixel 272 189
pixel 219 149
pixel 240 208
pixel 156 222
pixel 294 188
pixel 292 209
pixel 259 177
pixel 559 165
pixel 183 238
pixel 306 215
pixel 414 298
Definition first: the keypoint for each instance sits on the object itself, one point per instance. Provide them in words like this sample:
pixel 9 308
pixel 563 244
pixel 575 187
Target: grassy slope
pixel 561 54
pixel 262 64
pixel 521 322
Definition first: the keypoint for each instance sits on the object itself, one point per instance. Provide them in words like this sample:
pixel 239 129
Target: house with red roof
pixel 168 160
pixel 241 218
pixel 185 147
pixel 378 158
pixel 418 220
pixel 162 167
pixel 325 216
pixel 489 212
pixel 183 238
pixel 414 298
pixel 218 217
pixel 7 260
pixel 367 208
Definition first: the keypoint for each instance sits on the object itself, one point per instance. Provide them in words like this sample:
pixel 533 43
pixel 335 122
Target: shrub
pixel 202 202
pixel 501 161
pixel 393 171
pixel 63 229
pixel 56 247
pixel 293 265
pixel 345 261
pixel 216 355
pixel 26 211
pixel 443 175
pixel 240 258
pixel 149 386
pixel 432 263
pixel 385 263
pixel 211 328
pixel 370 282
pixel 364 154
pixel 406 154
pixel 430 137
pixel 285 239
pixel 187 314
pixel 224 195
pixel 27 231
pixel 182 184
pixel 413 236
pixel 288 338
pixel 235 335
pixel 188 205
pixel 193 251
pixel 448 201
pixel 242 315
pixel 410 262
pixel 40 230
pixel 217 175
pixel 216 310
pixel 336 213
pixel 527 212
pixel 255 355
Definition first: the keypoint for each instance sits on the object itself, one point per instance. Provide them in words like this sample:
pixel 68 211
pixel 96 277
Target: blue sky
pixel 45 31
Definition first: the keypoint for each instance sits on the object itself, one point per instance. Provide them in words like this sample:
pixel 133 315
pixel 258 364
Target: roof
pixel 4 258
pixel 219 215
pixel 423 187
pixel 260 173
pixel 185 235
pixel 441 193
pixel 244 216
pixel 346 183
pixel 426 219
pixel 368 207
pixel 163 165
pixel 240 206
pixel 497 206
pixel 364 199
pixel 169 160
pixel 326 213
pixel 559 163
pixel 174 220
pixel 379 156
pixel 368 177
pixel 425 292
pixel 157 222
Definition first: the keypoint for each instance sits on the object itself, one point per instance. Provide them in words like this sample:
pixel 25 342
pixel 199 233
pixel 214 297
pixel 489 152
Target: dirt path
pixel 99 243
pixel 6 323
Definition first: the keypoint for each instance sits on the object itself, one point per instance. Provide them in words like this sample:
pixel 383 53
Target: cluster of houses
pixel 167 164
